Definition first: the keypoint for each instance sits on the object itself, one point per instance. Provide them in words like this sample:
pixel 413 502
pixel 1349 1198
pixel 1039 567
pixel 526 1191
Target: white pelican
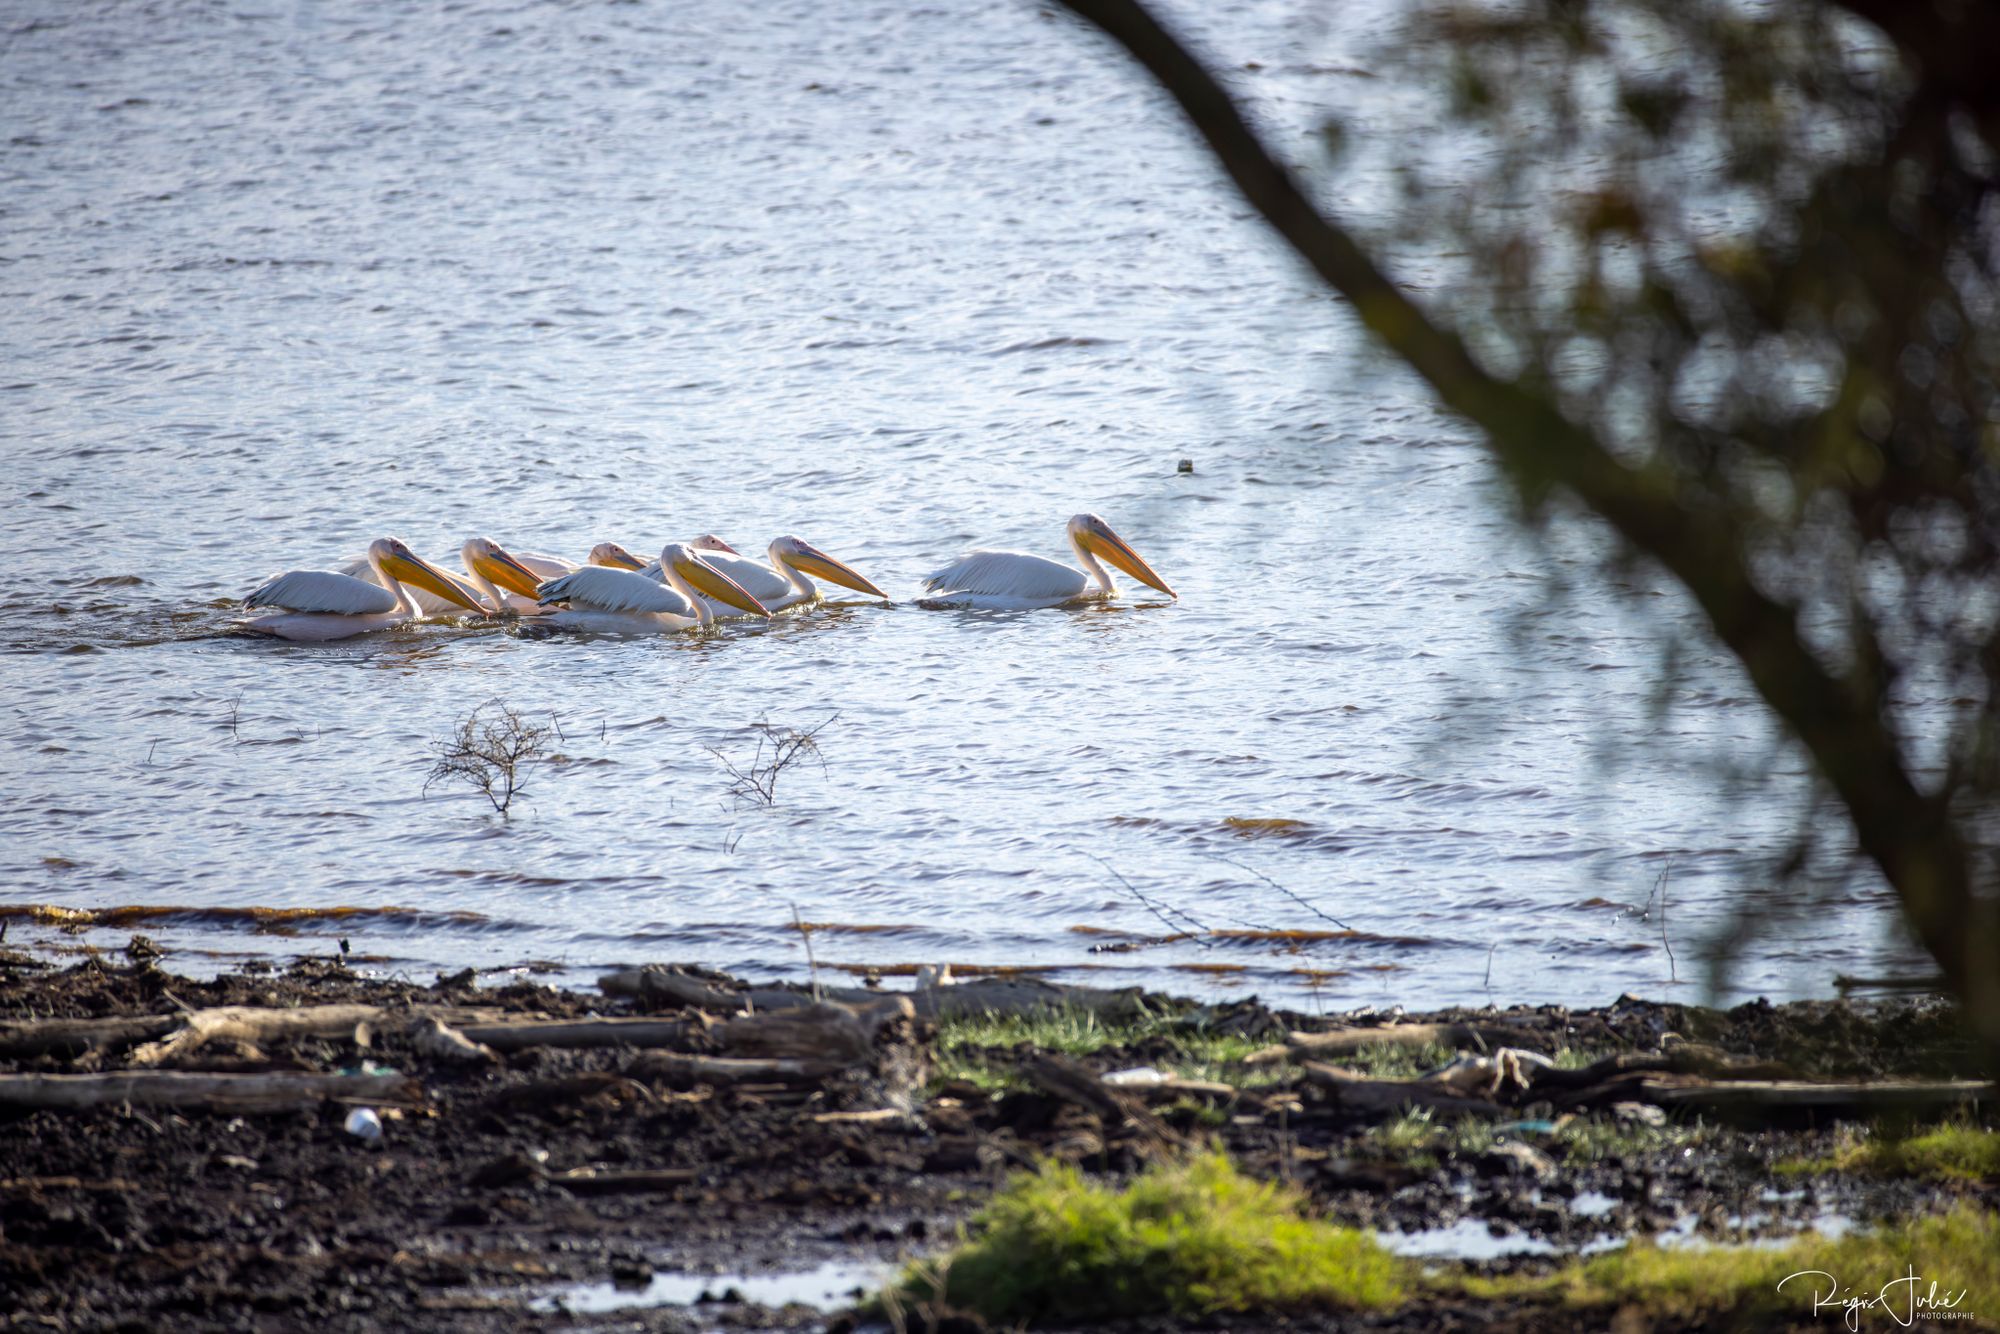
pixel 783 582
pixel 318 605
pixel 613 556
pixel 1016 580
pixel 608 601
pixel 487 564
pixel 618 558
pixel 780 584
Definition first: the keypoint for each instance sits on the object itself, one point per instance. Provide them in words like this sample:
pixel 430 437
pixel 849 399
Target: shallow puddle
pixel 828 1287
pixel 1467 1239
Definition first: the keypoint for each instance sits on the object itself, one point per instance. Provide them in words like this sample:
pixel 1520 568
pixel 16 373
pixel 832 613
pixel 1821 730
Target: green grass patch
pixel 968 1046
pixel 1959 1251
pixel 1594 1139
pixel 1955 1151
pixel 1190 1239
pixel 1388 1060
pixel 1416 1139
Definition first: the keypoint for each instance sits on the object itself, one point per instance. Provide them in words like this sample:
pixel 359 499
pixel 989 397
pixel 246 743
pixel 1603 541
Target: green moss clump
pixel 1950 1152
pixel 1189 1239
pixel 1959 1251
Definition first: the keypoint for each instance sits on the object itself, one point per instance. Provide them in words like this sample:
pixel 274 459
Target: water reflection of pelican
pixel 319 605
pixel 609 601
pixel 1018 581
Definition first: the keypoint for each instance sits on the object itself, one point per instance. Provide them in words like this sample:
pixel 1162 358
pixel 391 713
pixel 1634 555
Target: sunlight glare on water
pixel 900 280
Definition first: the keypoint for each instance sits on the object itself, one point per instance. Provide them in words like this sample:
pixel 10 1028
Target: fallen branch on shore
pixel 839 1031
pixel 285 1091
pixel 1760 1097
pixel 1302 1045
pixel 1073 1082
pixel 981 996
pixel 1364 1093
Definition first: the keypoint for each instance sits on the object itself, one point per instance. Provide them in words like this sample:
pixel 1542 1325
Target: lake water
pixel 281 278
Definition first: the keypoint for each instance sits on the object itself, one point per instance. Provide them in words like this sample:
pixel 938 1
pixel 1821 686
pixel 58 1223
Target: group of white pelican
pixel 691 585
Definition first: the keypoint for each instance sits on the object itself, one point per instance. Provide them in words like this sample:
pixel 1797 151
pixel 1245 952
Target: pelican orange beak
pixel 711 582
pixel 507 572
pixel 410 568
pixel 813 561
pixel 615 557
pixel 1099 540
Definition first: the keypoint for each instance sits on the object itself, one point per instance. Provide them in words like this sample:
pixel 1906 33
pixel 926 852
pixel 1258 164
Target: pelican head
pixel 1092 534
pixel 487 558
pixel 710 542
pixel 394 558
pixel 615 556
pixel 705 579
pixel 803 556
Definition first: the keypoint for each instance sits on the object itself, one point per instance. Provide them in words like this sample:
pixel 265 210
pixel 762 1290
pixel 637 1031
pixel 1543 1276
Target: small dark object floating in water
pixel 1187 465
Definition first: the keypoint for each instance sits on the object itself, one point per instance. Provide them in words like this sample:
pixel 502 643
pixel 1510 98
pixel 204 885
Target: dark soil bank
pixel 460 1216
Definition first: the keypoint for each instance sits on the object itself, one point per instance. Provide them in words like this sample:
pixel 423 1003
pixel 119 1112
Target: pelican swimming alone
pixel 320 605
pixel 1017 581
pixel 615 601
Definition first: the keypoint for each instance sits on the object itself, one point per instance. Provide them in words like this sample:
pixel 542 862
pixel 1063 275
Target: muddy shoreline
pixel 585 1188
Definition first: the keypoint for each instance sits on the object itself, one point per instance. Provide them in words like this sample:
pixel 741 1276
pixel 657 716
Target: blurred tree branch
pixel 1678 503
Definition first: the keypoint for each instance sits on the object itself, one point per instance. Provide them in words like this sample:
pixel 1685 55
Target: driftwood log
pixel 1363 1093
pixel 1074 1082
pixel 1304 1045
pixel 801 1045
pixel 1759 1098
pixel 807 1044
pixel 74 1037
pixel 282 1091
pixel 177 1037
pixel 978 996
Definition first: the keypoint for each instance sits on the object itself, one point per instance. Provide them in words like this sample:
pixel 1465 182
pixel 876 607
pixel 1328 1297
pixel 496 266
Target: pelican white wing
pixel 599 588
pixel 1006 578
pixel 323 591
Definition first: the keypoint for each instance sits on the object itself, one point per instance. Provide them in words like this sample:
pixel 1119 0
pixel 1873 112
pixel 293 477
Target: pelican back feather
pixel 322 591
pixel 600 588
pixel 1009 574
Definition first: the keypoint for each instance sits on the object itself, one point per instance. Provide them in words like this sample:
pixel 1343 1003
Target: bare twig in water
pixel 1303 903
pixel 1673 970
pixel 1156 909
pixel 1489 965
pixel 491 750
pixel 235 717
pixel 778 749
pixel 812 964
